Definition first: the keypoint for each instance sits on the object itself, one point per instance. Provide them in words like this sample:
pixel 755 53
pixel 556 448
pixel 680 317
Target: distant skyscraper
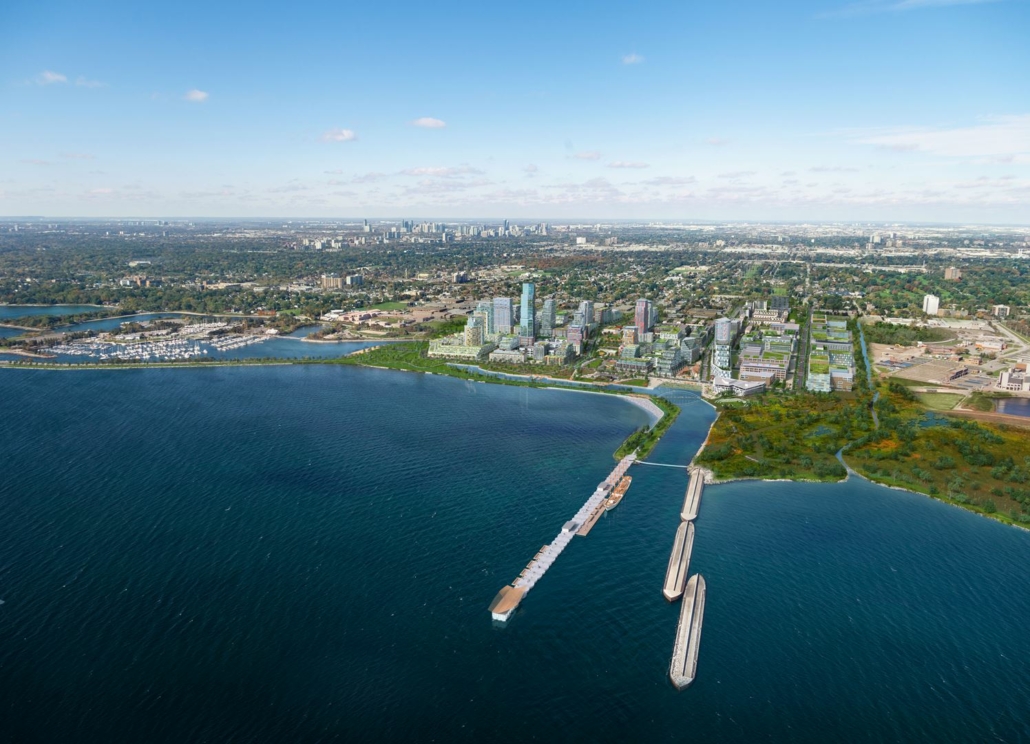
pixel 547 318
pixel 503 315
pixel 644 317
pixel 527 324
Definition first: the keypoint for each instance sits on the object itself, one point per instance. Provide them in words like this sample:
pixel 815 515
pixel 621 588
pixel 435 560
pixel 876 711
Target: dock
pixel 679 562
pixel 683 667
pixel 692 499
pixel 505 602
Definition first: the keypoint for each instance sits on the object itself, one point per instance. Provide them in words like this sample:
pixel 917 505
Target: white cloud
pixel 339 135
pixel 83 82
pixel 588 155
pixel 867 7
pixel 196 96
pixel 530 170
pixel 632 59
pixel 1001 139
pixel 832 169
pixel 368 178
pixel 428 122
pixel 670 181
pixel 49 77
pixel 443 172
pixel 35 161
pixel 76 156
pixel 737 174
pixel 628 164
pixel 717 141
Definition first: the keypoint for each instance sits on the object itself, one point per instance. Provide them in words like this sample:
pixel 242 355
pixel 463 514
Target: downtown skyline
pixel 902 110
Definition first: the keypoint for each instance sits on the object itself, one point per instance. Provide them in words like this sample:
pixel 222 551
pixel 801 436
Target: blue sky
pixel 899 110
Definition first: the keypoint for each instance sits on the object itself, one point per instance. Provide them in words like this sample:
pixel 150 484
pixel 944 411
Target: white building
pixel 931 304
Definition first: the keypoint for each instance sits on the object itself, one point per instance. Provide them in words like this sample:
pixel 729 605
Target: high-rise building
pixel 1000 311
pixel 503 315
pixel 332 281
pixel 931 304
pixel 547 318
pixel 952 274
pixel 485 309
pixel 643 319
pixel 723 331
pixel 586 307
pixel 474 331
pixel 576 336
pixel 527 323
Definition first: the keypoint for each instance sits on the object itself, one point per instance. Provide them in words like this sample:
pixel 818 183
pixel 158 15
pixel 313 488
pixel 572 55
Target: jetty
pixel 683 667
pixel 679 562
pixel 692 499
pixel 508 598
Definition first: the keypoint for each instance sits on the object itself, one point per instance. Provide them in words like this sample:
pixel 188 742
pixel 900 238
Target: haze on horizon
pixel 820 110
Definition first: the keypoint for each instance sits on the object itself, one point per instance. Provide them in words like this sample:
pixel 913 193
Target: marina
pixel 683 667
pixel 692 499
pixel 504 604
pixel 679 562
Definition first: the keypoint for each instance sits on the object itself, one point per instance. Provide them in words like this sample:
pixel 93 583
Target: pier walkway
pixel 548 554
pixel 661 465
pixel 546 558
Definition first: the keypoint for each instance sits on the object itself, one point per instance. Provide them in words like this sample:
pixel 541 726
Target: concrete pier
pixel 548 554
pixel 683 667
pixel 679 562
pixel 692 499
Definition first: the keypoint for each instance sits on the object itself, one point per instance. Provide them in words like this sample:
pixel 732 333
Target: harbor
pixel 509 597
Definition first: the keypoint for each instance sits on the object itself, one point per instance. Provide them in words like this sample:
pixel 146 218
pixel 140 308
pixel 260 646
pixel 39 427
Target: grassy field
pixel 982 467
pixel 794 436
pixel 388 306
pixel 939 401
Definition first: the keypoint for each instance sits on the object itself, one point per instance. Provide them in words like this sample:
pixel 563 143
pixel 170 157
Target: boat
pixel 618 493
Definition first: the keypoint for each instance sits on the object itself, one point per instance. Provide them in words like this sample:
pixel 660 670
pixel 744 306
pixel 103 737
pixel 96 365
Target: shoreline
pixel 711 480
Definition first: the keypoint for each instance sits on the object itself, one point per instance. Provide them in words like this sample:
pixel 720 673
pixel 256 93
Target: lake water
pixel 20 311
pixel 306 553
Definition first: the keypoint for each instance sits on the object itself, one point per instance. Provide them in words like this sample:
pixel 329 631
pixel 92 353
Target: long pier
pixel 507 600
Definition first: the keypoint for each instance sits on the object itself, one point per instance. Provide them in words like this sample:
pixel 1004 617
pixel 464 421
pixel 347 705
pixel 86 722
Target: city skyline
pixel 901 110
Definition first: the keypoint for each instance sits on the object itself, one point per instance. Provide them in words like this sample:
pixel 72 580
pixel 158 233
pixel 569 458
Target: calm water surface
pixel 21 311
pixel 306 554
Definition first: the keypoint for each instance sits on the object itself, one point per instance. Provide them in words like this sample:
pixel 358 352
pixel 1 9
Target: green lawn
pixel 388 306
pixel 939 401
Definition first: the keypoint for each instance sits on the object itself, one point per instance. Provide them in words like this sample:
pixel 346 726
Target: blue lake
pixel 20 311
pixel 306 553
